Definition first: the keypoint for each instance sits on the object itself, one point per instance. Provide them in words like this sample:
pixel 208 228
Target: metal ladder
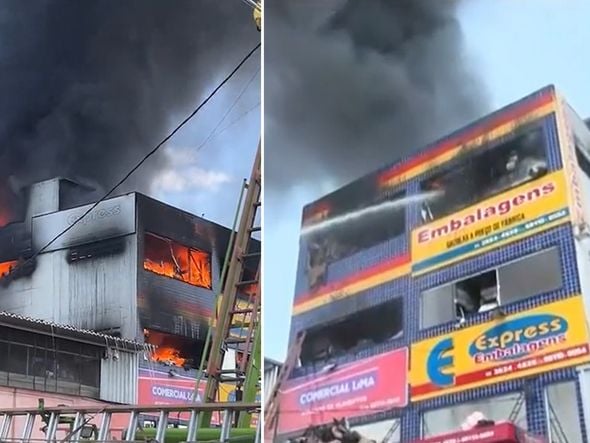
pixel 82 416
pixel 271 407
pixel 391 431
pixel 246 374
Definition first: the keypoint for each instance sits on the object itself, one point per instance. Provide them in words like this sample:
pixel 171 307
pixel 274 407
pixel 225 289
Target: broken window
pixel 171 259
pixel 174 350
pixel 368 327
pixel 456 301
pixel 486 172
pixel 564 418
pixel 526 277
pixel 530 275
pixel 361 219
pixel 7 267
pixel 496 409
pixel 476 294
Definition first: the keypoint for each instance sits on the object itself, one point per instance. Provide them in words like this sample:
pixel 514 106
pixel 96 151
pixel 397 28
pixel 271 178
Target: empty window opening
pixel 365 328
pixel 486 172
pixel 531 275
pixel 174 350
pixel 171 259
pixel 476 294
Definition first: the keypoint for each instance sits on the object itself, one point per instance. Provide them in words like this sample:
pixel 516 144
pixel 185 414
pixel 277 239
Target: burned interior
pixel 174 350
pixel 364 328
pixel 169 258
pixel 360 216
pixel 486 172
pixel 533 274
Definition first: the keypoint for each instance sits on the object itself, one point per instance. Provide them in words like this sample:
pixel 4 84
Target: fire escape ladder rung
pixel 247 282
pixel 250 255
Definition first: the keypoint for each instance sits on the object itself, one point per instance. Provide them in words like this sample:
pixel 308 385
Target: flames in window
pixel 166 257
pixel 8 266
pixel 169 350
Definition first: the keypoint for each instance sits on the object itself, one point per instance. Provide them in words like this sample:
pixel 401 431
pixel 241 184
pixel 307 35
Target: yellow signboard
pixel 549 337
pixel 513 215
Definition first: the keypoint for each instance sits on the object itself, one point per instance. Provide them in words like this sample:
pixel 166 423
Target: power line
pixel 145 158
pixel 228 111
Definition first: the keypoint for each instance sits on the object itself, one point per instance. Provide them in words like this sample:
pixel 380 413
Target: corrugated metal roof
pixel 69 332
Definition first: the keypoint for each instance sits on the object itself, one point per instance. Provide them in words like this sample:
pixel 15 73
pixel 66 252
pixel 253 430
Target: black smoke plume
pixel 357 87
pixel 88 87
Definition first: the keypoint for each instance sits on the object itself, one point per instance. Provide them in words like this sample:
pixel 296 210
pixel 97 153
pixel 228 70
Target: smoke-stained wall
pixel 91 294
pixel 169 305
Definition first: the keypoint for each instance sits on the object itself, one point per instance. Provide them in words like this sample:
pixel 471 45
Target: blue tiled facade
pixel 409 288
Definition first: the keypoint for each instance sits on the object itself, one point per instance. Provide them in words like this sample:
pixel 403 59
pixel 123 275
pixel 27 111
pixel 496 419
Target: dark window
pixel 368 327
pixel 166 257
pixel 484 173
pixel 526 277
pixel 34 361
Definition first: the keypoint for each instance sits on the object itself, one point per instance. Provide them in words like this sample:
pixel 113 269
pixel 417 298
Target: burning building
pixel 133 268
pixel 450 291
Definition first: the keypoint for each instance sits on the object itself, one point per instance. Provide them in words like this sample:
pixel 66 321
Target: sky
pixel 516 47
pixel 212 155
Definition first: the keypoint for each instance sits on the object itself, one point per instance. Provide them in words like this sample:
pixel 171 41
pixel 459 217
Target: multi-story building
pixel 133 268
pixel 452 286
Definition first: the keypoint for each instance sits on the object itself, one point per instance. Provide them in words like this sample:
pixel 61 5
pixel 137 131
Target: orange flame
pixel 7 266
pixel 168 258
pixel 168 355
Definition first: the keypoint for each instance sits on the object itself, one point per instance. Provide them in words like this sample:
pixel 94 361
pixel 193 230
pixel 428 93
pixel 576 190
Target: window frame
pixel 497 271
pixel 189 250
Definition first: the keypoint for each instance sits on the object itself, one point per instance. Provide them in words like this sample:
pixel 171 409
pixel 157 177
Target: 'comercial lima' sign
pixel 513 215
pixel 549 337
pixel 363 387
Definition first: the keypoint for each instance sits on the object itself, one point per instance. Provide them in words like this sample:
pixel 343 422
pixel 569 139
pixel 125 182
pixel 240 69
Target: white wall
pixel 98 293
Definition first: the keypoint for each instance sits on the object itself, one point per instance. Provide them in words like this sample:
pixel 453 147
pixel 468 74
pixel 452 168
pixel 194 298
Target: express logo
pixel 97 214
pixel 440 363
pixel 519 337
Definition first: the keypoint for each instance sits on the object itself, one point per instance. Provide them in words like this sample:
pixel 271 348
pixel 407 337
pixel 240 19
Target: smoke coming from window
pixel 89 87
pixel 353 85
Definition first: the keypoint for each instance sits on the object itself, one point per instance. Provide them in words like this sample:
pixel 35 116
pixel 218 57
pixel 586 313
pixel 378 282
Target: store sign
pixel 360 388
pixel 506 218
pixel 159 388
pixel 549 337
